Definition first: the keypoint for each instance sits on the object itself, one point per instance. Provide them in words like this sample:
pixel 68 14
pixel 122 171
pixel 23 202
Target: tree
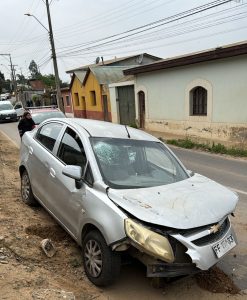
pixel 33 68
pixel 21 79
pixel 2 81
pixel 48 80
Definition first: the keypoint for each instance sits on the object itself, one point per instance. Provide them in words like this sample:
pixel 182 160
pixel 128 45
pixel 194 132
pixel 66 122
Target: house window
pixel 67 101
pixel 198 98
pixel 93 98
pixel 76 98
pixel 83 102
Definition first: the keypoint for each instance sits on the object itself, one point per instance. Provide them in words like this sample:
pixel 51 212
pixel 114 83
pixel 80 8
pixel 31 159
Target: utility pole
pixel 12 73
pixel 54 58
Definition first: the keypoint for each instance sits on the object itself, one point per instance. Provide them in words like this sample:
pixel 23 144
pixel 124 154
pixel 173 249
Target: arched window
pixel 198 104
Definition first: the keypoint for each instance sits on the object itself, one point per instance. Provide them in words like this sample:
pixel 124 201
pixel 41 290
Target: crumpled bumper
pixel 202 253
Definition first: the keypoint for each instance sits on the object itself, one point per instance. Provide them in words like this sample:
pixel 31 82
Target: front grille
pixel 213 237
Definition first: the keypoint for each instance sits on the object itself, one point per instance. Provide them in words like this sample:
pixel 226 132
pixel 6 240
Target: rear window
pixel 6 106
pixel 39 117
pixel 48 134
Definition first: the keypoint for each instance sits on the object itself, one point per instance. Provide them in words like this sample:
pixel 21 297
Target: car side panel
pixel 36 164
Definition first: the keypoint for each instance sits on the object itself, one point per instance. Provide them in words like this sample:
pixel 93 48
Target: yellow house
pixel 90 92
pixel 89 84
pixel 78 94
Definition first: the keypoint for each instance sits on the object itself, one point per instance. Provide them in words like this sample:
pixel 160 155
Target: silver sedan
pixel 117 189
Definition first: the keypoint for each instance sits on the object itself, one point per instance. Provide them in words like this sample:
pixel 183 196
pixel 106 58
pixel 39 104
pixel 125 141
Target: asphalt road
pixel 230 172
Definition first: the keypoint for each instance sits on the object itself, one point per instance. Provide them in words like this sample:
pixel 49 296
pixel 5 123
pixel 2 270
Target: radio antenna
pixel 127 131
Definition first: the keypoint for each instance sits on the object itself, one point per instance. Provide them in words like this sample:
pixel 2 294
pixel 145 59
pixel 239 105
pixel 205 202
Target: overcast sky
pixel 76 23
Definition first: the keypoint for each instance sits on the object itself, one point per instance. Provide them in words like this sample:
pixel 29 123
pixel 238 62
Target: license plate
pixel 224 246
pixel 7 118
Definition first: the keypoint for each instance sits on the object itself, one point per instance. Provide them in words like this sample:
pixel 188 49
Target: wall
pixel 79 110
pixel 67 108
pixel 167 99
pixel 95 111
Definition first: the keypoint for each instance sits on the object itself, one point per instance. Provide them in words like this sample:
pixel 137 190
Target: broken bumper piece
pixel 171 269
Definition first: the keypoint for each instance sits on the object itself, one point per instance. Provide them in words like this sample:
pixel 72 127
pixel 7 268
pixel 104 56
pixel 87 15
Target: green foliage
pixel 48 80
pixel 188 144
pixel 219 148
pixel 215 148
pixel 2 81
pixel 21 79
pixel 35 97
pixel 33 68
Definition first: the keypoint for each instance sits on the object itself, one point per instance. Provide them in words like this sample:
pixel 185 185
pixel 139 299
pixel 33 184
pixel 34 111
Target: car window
pixel 127 163
pixel 48 134
pixel 39 117
pixel 18 106
pixel 155 157
pixel 6 106
pixel 71 150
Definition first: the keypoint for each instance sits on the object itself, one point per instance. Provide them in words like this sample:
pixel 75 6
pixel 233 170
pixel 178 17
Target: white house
pixel 200 94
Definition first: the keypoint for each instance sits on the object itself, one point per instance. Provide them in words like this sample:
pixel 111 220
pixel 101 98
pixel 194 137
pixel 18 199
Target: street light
pixel 30 15
pixel 54 57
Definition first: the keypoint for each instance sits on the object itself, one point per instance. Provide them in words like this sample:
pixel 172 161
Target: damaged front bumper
pixel 194 251
pixel 201 245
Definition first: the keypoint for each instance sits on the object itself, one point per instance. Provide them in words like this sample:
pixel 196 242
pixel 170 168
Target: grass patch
pixel 215 148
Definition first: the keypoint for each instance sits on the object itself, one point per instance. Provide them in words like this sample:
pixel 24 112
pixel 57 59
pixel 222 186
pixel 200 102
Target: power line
pixel 78 46
pixel 169 31
pixel 115 19
pixel 152 25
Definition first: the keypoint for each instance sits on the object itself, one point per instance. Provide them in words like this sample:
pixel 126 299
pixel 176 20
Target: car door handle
pixel 52 173
pixel 30 150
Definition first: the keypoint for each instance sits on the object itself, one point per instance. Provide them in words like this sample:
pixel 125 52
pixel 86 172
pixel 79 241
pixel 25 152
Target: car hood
pixel 7 112
pixel 194 202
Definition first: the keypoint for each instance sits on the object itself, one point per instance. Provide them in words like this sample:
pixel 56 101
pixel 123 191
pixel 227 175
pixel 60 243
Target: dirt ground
pixel 27 273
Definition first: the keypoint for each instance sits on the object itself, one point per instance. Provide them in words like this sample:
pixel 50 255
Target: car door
pixel 19 109
pixel 66 201
pixel 40 158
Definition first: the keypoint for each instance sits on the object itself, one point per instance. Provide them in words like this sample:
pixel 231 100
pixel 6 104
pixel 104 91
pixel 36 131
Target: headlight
pixel 150 241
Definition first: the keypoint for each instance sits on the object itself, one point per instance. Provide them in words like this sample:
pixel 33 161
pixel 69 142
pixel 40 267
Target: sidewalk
pixel 170 136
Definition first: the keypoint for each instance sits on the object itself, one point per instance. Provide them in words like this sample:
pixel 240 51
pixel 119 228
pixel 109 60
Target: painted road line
pixel 238 191
pixel 13 142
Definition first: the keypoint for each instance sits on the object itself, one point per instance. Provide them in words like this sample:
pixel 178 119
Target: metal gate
pixel 126 100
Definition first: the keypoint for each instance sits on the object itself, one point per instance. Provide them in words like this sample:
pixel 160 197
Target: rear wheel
pixel 26 190
pixel 101 264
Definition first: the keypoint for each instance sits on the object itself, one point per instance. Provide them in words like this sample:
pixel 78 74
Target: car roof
pixel 41 110
pixel 5 102
pixel 97 128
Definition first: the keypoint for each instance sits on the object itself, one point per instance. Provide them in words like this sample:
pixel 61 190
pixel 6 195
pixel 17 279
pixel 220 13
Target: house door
pixel 141 100
pixel 105 108
pixel 126 98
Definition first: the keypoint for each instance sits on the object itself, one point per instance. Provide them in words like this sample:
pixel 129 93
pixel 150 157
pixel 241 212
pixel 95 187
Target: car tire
pixel 101 264
pixel 26 190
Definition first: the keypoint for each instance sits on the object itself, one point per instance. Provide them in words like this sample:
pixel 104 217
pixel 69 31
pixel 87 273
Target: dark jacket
pixel 25 125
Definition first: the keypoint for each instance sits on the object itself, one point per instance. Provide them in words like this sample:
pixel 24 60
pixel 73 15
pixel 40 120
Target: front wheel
pixel 101 264
pixel 26 190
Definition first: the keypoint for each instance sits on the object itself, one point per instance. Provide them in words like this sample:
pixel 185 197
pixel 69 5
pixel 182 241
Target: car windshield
pixel 6 106
pixel 135 164
pixel 39 117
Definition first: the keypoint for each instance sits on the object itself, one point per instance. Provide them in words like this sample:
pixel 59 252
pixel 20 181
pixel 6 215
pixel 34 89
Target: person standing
pixel 26 123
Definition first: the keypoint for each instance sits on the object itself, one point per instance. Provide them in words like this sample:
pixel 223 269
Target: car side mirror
pixel 74 172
